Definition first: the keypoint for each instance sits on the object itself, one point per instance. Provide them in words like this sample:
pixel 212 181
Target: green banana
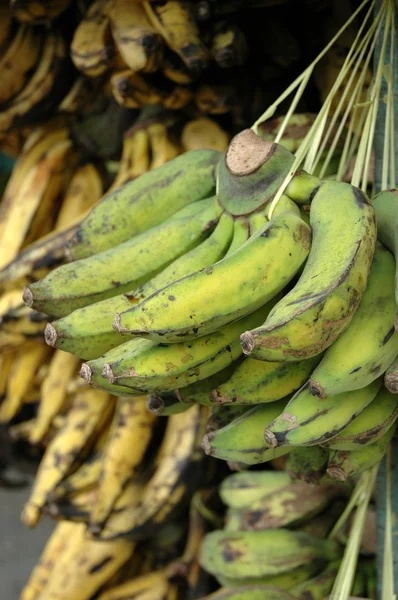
pixel 106 274
pixel 199 392
pixel 385 205
pixel 145 202
pixel 94 378
pixel 369 344
pixel 88 333
pixel 321 305
pixel 258 382
pixel 146 366
pixel 250 592
pixel 302 187
pixel 344 464
pixel 242 440
pixel 319 586
pixel 307 464
pixel 305 214
pixel 241 234
pixel 165 404
pixel 251 172
pixel 221 416
pixel 234 287
pixel 241 489
pixel 284 204
pixel 257 220
pixel 306 420
pixel 255 554
pixel 370 425
pixel 391 377
pixel 321 525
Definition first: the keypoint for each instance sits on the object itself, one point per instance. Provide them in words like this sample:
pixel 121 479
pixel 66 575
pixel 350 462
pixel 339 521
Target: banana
pixel 261 554
pixel 92 48
pixel 216 99
pixel 6 365
pixel 391 377
pixel 229 46
pixel 369 344
pixel 199 392
pixel 149 367
pixel 89 412
pixel 179 471
pixel 385 205
pixel 10 305
pixel 284 203
pixel 258 382
pixel 241 234
pixel 38 192
pixel 59 542
pixel 175 22
pixel 307 464
pixel 18 62
pixel 206 300
pixel 44 88
pixel 154 584
pixel 204 133
pixel 35 12
pixel 221 416
pixel 240 490
pixel 322 303
pixel 302 187
pixel 306 420
pixel 319 586
pixel 373 422
pixel 162 148
pixel 175 69
pixel 250 592
pixel 10 341
pixel 165 404
pixel 125 509
pixel 139 44
pixel 88 332
pixel 129 89
pixel 81 96
pixel 135 157
pixel 84 190
pixel 105 274
pixel 242 440
pixel 93 377
pixel 30 356
pixel 344 464
pixel 85 479
pixel 53 392
pixel 321 525
pixel 128 442
pixel 76 509
pixel 146 202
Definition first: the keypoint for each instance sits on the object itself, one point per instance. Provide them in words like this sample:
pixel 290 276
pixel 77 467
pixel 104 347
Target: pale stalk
pixel 292 106
pixel 388 559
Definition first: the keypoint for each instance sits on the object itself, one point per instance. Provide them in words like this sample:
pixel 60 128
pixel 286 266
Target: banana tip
pixel 247 342
pixel 27 296
pixel 206 446
pixel 217 397
pixel 270 438
pixel 316 389
pixel 86 372
pixel 50 335
pixel 391 382
pixel 337 473
pixel 107 373
pixel 30 515
pixel 155 404
pixel 116 323
pixel 396 322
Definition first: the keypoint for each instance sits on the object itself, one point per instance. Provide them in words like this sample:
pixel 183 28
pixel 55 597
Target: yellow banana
pixel 162 148
pixel 81 96
pixel 85 479
pixel 89 412
pixel 10 305
pixel 7 25
pixel 129 438
pixel 53 392
pixel 92 49
pixel 6 364
pixel 30 356
pixel 322 303
pixel 84 190
pixel 135 157
pixel 153 583
pixel 76 509
pixel 35 12
pixel 204 133
pixel 123 84
pixel 215 99
pixel 229 46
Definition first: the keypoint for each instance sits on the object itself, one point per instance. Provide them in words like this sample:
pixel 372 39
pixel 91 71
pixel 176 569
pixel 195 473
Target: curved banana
pixel 221 416
pixel 203 132
pixel 199 392
pixel 143 587
pixel 162 148
pixel 242 440
pixel 93 377
pixel 307 463
pixel 105 274
pixel 345 464
pixel 92 47
pixel 302 187
pixel 146 202
pixel 84 190
pixel 258 382
pixel 306 420
pixel 391 377
pixel 369 344
pixel 241 234
pixel 241 489
pixel 165 404
pixel 35 12
pixel 210 298
pixel 373 422
pixel 321 305
pixel 319 586
pixel 85 479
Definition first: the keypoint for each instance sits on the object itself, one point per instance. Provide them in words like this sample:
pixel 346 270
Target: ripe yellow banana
pixel 146 202
pixel 321 305
pixel 369 344
pixel 129 438
pixel 135 157
pixel 89 412
pixel 11 304
pixel 154 584
pixel 85 479
pixel 92 49
pixel 163 149
pixel 204 133
pixel 35 12
pixel 229 46
pixel 84 190
pixel 210 298
pixel 306 420
pixel 139 44
pixel 6 365
pixel 76 509
pixel 105 274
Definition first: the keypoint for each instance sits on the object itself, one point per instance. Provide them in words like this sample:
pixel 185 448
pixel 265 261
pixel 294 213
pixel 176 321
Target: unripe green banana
pixel 307 464
pixel 284 581
pixel 241 234
pixel 321 525
pixel 321 305
pixel 391 377
pixel 386 207
pixel 370 425
pixel 250 592
pixel 255 554
pixel 95 379
pixel 258 382
pixel 241 489
pixel 200 391
pixel 369 344
pixel 150 367
pixel 242 440
pixel 319 586
pixel 146 202
pixel 344 464
pixel 221 416
pixel 165 404
pixel 88 333
pixel 210 298
pixel 302 187
pixel 306 420
pixel 257 220
pixel 125 266
pixel 284 204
